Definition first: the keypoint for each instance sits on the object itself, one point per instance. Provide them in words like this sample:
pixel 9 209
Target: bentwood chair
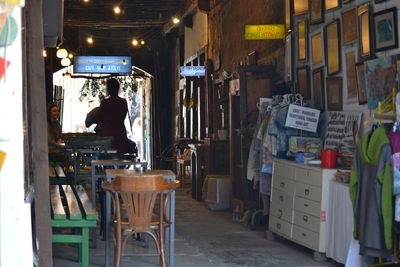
pixel 134 199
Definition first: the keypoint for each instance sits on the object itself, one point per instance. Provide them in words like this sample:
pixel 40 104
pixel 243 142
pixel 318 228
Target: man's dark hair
pixel 112 87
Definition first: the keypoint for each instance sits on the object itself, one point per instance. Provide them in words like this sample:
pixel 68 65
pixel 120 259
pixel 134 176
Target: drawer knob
pixel 303 234
pixel 278 225
pixel 305 218
pixel 305 205
pixel 306 192
pixel 281 198
pixel 282 184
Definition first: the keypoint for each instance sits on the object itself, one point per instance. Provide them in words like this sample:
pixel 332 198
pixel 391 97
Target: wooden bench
pixel 71 208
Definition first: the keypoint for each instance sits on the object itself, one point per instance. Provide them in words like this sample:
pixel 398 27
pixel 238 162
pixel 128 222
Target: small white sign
pixel 302 118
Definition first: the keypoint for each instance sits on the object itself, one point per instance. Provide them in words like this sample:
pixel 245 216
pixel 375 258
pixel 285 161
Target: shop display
pixel 385 29
pixel 349 26
pixel 318 86
pixel 332 47
pixel 334 91
pixel 303 82
pixel 364 33
pixel 316 11
pixel 302 37
pixel 316 49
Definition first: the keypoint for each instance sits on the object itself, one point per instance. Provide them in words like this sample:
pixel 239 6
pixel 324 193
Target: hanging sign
pixel 187 71
pixel 103 64
pixel 266 31
pixel 302 118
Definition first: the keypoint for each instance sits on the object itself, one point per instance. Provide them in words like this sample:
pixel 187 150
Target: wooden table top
pixel 140 173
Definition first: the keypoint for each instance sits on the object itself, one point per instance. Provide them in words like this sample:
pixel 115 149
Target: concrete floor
pixel 205 238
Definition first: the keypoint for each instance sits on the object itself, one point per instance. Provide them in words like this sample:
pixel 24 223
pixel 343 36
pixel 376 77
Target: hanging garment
pixel 371 194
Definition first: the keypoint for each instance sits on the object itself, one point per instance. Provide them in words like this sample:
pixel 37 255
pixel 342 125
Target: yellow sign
pixel 2 158
pixel 267 31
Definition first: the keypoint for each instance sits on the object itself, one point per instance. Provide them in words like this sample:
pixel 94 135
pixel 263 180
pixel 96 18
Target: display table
pixel 339 222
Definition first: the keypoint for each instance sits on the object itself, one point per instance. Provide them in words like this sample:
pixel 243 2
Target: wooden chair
pixel 136 196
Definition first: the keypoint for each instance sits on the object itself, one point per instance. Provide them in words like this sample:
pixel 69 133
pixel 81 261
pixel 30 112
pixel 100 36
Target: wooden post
pixel 35 77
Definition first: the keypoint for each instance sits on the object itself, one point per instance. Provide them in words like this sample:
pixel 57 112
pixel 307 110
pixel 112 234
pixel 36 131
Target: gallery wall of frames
pixel 343 54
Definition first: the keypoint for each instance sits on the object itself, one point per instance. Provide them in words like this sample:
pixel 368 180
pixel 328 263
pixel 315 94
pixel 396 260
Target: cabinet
pixel 299 200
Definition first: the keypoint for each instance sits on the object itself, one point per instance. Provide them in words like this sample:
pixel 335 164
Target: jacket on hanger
pixel 371 194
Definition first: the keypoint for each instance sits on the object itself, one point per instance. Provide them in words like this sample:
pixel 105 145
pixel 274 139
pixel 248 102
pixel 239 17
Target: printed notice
pixel 302 118
pixel 339 132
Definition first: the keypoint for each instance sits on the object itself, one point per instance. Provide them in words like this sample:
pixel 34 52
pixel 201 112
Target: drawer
pixel 306 237
pixel 284 170
pixel 282 213
pixel 284 184
pixel 308 191
pixel 311 177
pixel 307 206
pixel 282 199
pixel 306 221
pixel 280 227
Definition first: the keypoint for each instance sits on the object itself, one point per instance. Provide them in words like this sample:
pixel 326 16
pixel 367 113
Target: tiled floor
pixel 205 238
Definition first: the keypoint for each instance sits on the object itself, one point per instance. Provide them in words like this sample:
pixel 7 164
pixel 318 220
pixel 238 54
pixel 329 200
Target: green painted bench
pixel 71 208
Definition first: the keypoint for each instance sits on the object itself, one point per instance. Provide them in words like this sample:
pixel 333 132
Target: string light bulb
pixel 89 40
pixel 175 20
pixel 44 53
pixel 70 55
pixel 117 10
pixel 135 42
pixel 65 62
pixel 142 42
pixel 85 1
pixel 62 53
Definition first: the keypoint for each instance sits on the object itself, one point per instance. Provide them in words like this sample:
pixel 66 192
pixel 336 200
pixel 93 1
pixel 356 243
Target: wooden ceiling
pixel 112 33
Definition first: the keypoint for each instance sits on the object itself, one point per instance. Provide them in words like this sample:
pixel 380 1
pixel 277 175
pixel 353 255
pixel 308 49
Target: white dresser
pixel 299 200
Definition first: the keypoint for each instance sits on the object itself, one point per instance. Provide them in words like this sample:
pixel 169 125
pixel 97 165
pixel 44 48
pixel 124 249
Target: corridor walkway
pixel 206 238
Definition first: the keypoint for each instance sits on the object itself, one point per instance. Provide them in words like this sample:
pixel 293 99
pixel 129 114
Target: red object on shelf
pixel 328 159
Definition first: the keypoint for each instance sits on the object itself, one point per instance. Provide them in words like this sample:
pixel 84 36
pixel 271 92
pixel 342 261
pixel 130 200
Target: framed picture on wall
pixel 303 82
pixel 302 32
pixel 332 47
pixel 318 88
pixel 316 11
pixel 386 30
pixel 361 88
pixel 349 26
pixel 300 7
pixel 334 91
pixel 364 32
pixel 317 49
pixel 332 4
pixel 351 77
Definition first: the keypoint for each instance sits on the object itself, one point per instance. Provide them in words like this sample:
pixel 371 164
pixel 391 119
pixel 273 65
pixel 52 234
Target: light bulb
pixel 135 42
pixel 117 10
pixel 62 53
pixel 175 20
pixel 142 42
pixel 65 62
pixel 70 55
pixel 44 53
pixel 89 40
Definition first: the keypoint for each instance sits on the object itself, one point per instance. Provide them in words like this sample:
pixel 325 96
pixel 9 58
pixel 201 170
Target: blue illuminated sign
pixel 103 64
pixel 193 71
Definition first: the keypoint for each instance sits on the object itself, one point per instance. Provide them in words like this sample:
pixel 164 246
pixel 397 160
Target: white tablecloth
pixel 339 222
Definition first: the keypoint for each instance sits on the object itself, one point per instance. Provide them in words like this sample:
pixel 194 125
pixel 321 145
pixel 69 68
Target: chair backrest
pixel 139 195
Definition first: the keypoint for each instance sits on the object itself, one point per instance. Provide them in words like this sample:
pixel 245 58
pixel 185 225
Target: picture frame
pixel 316 11
pixel 303 81
pixel 288 15
pixel 335 92
pixel 386 29
pixel 300 7
pixel 332 47
pixel 302 40
pixel 318 82
pixel 346 1
pixel 349 26
pixel 332 4
pixel 351 77
pixel 317 49
pixel 361 88
pixel 364 31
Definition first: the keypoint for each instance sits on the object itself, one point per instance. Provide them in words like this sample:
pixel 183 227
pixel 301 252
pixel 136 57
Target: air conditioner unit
pixel 219 191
